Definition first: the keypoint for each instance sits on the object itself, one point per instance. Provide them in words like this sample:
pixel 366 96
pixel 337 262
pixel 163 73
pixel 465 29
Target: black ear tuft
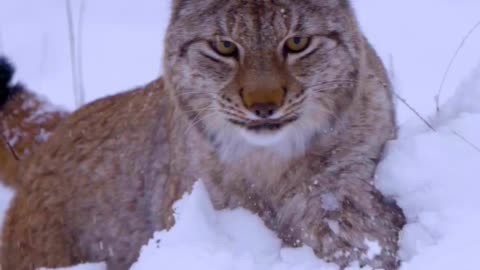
pixel 6 73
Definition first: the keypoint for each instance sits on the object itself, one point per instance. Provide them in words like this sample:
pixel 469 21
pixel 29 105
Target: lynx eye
pixel 297 44
pixel 225 48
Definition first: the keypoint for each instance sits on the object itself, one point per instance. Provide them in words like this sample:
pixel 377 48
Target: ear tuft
pixel 6 74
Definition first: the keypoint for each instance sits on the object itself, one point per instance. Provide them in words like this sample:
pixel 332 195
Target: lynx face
pixel 262 74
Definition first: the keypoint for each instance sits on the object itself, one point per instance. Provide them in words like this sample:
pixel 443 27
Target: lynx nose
pixel 263 103
pixel 264 110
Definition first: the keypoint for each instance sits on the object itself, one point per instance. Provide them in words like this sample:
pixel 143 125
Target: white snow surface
pixel 434 177
pixel 432 174
pixel 219 240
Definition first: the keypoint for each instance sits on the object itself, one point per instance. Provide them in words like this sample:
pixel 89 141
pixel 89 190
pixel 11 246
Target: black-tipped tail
pixel 6 74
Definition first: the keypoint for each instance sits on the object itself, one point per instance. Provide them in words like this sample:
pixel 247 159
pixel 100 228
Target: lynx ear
pixel 185 7
pixel 334 3
pixel 179 5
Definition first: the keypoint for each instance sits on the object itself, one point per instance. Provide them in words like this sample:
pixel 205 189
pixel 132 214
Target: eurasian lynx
pixel 280 106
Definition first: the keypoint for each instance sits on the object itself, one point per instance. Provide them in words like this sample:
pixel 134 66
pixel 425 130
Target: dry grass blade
pixel 410 107
pixel 76 51
pixel 81 87
pixel 450 64
pixel 9 147
pixel 391 74
pixel 466 140
pixel 73 58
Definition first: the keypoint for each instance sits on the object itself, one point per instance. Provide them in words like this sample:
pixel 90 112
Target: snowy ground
pixel 431 173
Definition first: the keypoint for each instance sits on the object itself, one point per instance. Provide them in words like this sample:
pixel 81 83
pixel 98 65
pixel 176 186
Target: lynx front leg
pixel 345 220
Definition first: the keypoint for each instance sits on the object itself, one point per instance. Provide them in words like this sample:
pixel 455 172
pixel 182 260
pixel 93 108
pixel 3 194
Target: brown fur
pixel 25 122
pixel 107 178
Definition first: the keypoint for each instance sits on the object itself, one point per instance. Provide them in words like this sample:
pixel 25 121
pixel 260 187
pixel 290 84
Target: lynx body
pixel 281 107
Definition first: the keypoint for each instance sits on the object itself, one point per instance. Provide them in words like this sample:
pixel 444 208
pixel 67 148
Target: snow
pixel 329 202
pixel 432 174
pixel 218 240
pixel 374 248
pixel 6 195
pixel 434 177
pixel 421 36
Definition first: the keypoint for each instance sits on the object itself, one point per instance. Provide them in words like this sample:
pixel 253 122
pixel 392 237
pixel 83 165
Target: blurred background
pixel 119 44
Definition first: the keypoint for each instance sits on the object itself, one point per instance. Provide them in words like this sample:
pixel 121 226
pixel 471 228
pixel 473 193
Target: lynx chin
pixel 282 107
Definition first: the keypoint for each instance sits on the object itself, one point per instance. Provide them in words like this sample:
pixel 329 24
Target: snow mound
pixel 6 195
pixel 219 240
pixel 434 177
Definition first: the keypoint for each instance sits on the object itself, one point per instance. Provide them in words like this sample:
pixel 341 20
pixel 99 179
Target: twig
pixel 391 73
pixel 460 136
pixel 415 112
pixel 73 60
pixel 392 77
pixel 466 140
pixel 10 147
pixel 450 64
pixel 81 87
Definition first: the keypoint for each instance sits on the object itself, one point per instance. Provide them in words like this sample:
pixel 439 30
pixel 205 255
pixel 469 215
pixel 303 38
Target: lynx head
pixel 262 74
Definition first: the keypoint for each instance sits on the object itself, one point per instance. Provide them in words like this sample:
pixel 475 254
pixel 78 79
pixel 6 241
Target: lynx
pixel 281 107
pixel 25 121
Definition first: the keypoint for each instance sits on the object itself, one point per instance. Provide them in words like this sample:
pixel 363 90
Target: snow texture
pixel 432 174
pixel 434 177
pixel 6 195
pixel 219 240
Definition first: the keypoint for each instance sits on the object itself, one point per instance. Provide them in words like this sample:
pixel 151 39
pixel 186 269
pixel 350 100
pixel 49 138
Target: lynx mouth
pixel 264 125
